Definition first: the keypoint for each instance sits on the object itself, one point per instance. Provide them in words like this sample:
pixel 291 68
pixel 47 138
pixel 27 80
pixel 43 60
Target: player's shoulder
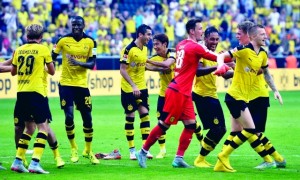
pixel 85 36
pixel 129 47
pixel 64 37
pixel 263 50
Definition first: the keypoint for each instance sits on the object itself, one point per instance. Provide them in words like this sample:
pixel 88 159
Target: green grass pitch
pixel 108 119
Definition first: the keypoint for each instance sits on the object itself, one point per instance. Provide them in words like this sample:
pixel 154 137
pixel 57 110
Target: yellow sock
pixel 39 145
pixel 23 145
pixel 88 137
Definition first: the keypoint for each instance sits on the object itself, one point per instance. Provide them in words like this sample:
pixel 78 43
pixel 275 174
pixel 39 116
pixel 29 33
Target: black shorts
pixel 160 106
pixel 131 103
pixel 209 110
pixel 31 106
pixel 78 95
pixel 235 106
pixel 259 110
pixel 20 123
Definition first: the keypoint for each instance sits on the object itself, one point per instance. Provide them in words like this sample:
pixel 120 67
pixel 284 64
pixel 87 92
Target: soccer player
pixel 178 100
pixel 249 60
pixel 28 64
pixel 165 58
pixel 258 104
pixel 20 125
pixel 134 93
pixel 78 55
pixel 206 101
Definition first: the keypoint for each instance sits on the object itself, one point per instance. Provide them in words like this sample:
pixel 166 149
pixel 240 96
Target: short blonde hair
pixel 34 31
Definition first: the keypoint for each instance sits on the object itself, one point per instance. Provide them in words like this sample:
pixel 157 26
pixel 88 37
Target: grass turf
pixel 108 120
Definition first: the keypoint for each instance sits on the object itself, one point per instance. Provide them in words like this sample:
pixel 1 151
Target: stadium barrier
pixel 108 82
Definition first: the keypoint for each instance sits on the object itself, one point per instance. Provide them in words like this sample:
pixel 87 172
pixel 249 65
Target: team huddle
pixel 247 98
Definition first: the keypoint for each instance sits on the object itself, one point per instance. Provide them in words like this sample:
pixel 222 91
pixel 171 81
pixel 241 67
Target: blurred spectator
pixel 274 17
pixel 104 21
pixel 291 61
pixel 56 9
pixel 158 27
pixel 169 28
pixel 116 24
pixel 116 45
pixel 138 18
pixel 22 18
pixel 272 64
pixel 127 40
pixel 179 30
pixel 10 19
pixel 297 46
pixel 130 26
pixel 273 48
pixel 64 4
pixel 149 18
pixel 62 19
pixel 78 9
pixel 6 45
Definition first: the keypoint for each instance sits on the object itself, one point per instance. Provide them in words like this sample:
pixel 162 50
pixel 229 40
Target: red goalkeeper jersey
pixel 188 54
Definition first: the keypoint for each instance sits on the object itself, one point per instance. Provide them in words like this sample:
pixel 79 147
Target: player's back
pixel 188 53
pixel 30 60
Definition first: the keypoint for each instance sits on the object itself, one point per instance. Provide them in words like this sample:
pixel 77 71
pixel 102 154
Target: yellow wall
pixel 108 82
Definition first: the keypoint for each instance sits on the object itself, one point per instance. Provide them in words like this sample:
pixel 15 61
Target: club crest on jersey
pixel 132 64
pixel 216 121
pixel 172 119
pixel 247 69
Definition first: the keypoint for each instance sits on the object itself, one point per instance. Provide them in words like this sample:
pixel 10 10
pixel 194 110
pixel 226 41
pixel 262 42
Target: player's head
pixel 258 35
pixel 34 32
pixel 241 34
pixel 78 25
pixel 211 38
pixel 144 34
pixel 194 29
pixel 160 43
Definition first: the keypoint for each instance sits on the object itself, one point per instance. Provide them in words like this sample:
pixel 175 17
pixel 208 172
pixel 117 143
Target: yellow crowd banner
pixel 108 82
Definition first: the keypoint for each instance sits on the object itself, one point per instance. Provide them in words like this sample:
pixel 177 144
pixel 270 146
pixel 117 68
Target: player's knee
pixel 236 114
pixel 163 126
pixel 216 133
pixel 19 129
pixel 69 121
pixel 190 126
pixel 220 131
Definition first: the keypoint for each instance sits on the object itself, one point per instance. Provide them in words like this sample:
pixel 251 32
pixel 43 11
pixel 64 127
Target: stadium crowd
pixel 113 22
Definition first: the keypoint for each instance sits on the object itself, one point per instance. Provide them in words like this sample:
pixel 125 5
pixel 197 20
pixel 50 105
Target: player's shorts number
pixel 88 100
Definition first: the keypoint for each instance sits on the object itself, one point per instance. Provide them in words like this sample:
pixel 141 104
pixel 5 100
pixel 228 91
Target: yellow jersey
pixel 30 60
pixel 259 88
pixel 206 85
pixel 79 50
pixel 248 63
pixel 136 59
pixel 165 77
